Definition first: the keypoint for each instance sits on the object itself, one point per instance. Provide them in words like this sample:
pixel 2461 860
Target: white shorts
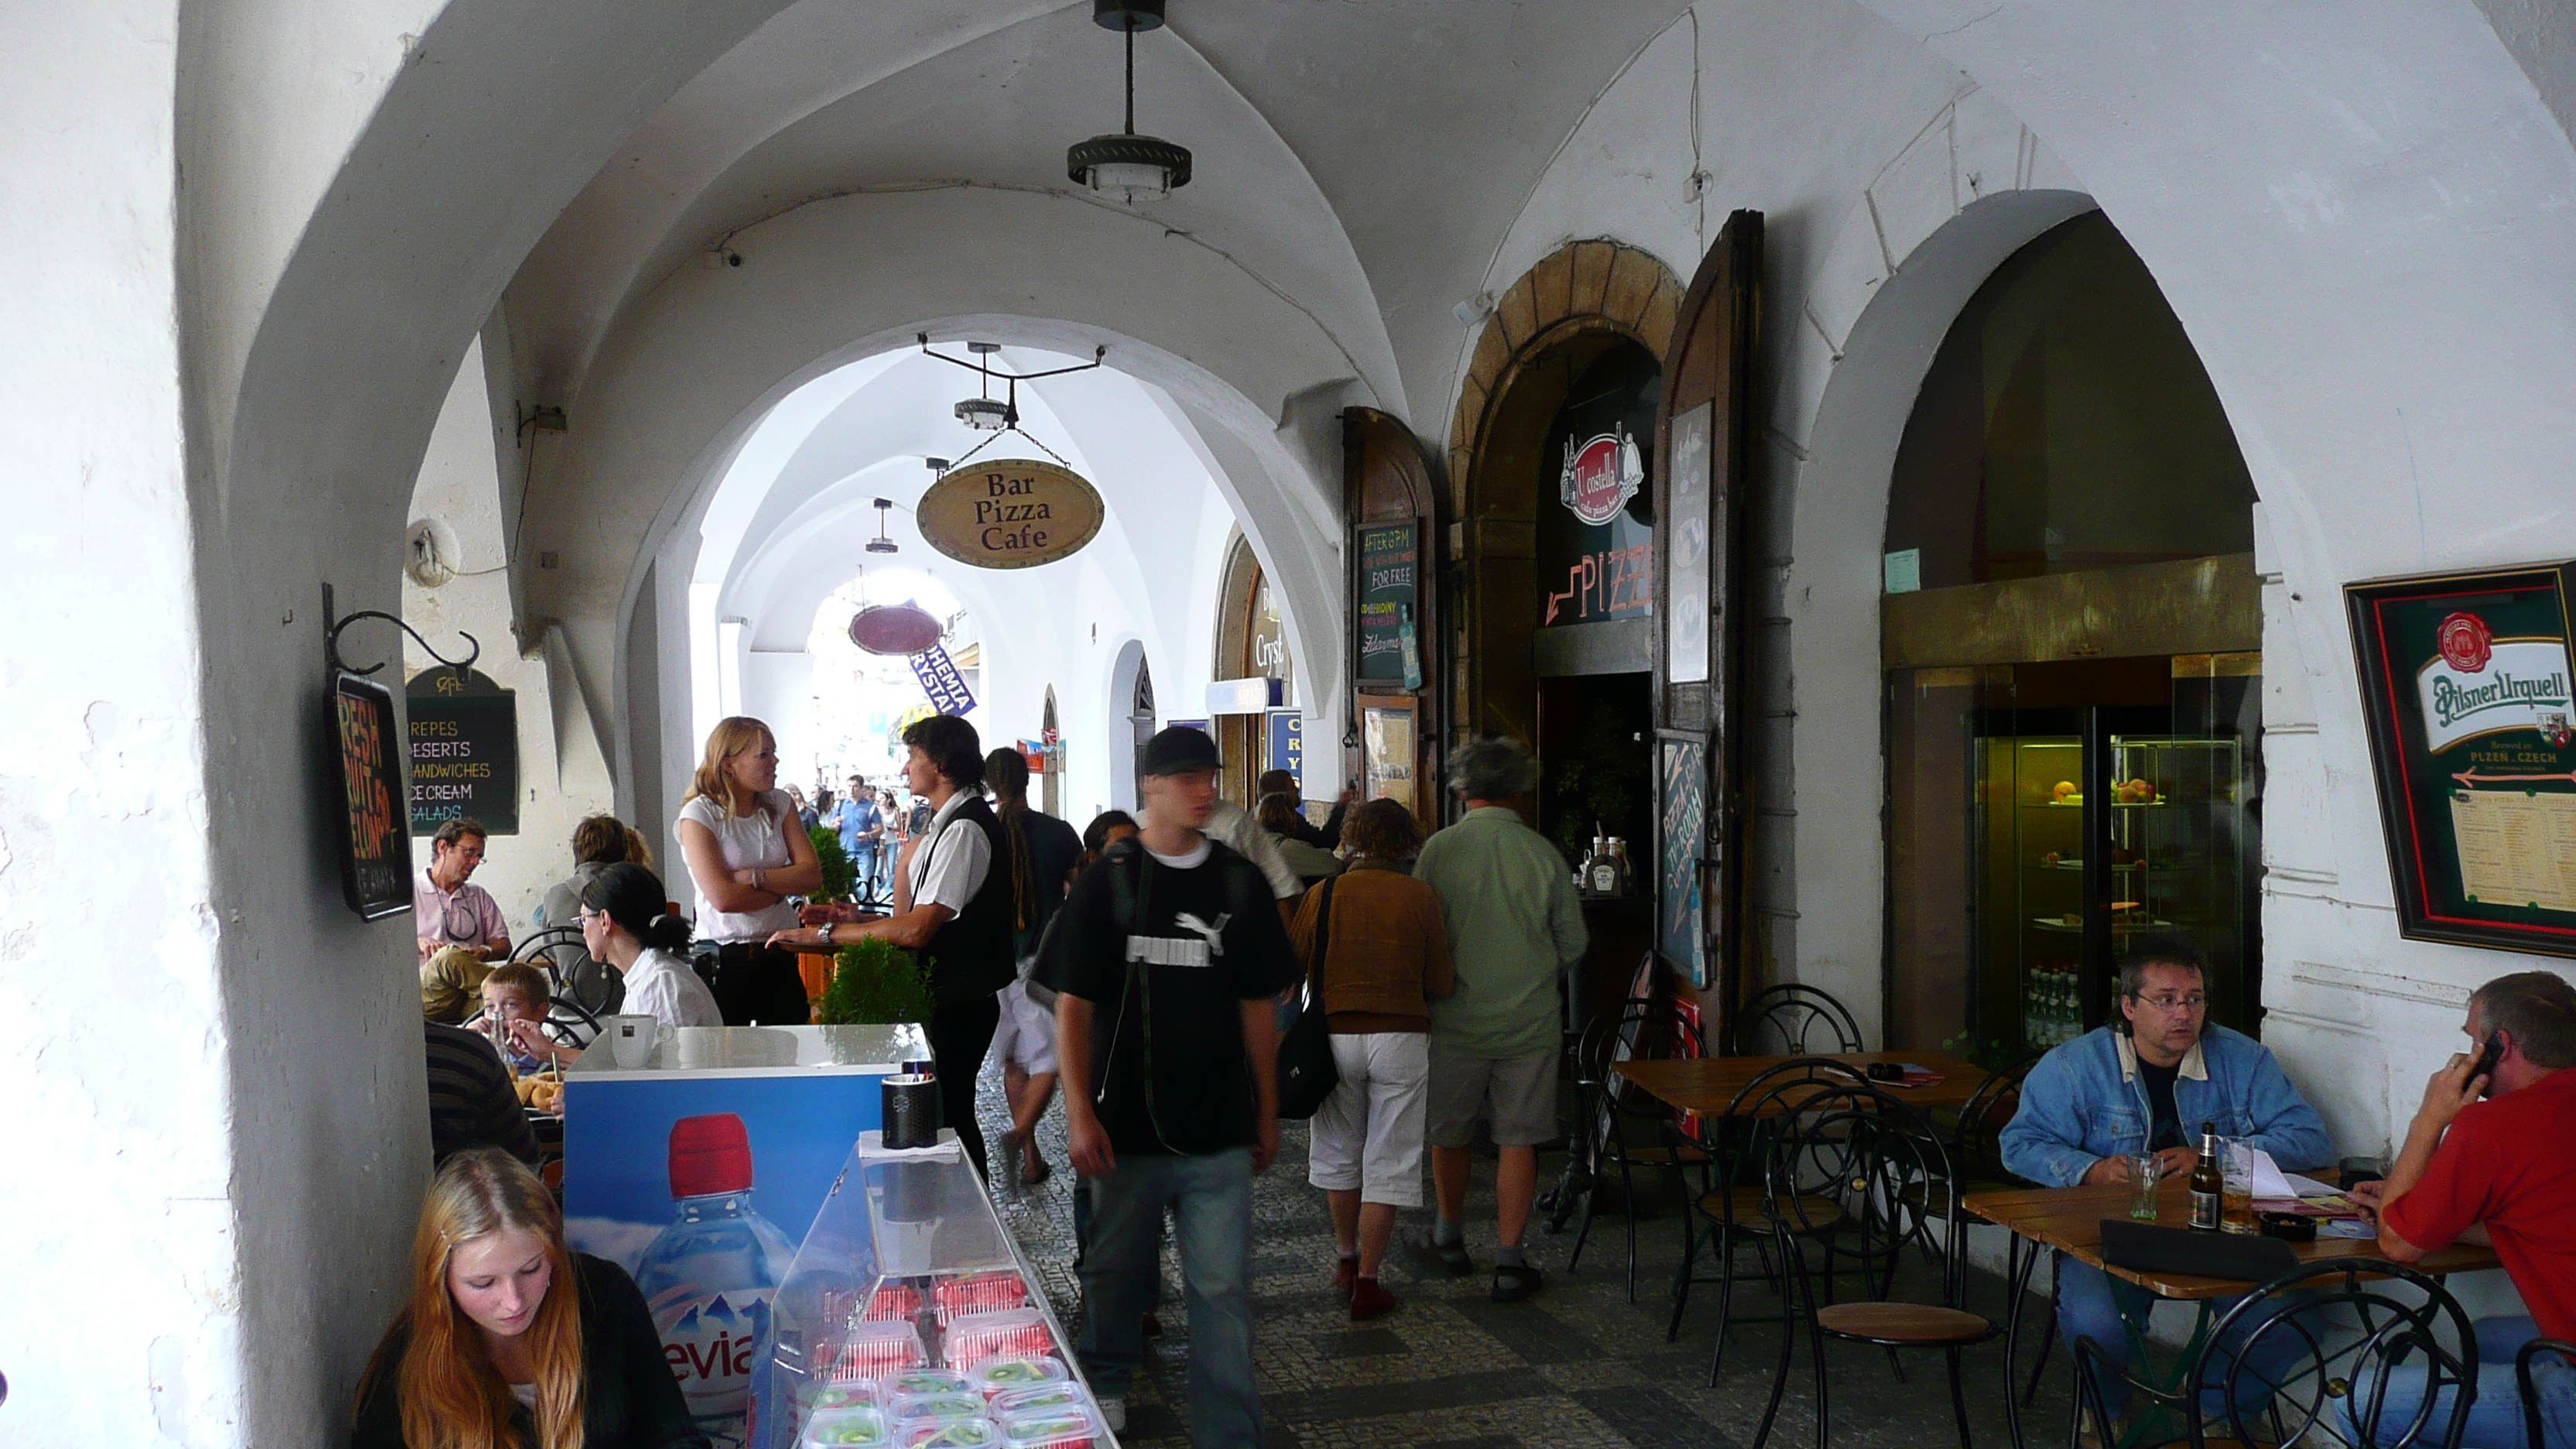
pixel 1368 1134
pixel 1026 1036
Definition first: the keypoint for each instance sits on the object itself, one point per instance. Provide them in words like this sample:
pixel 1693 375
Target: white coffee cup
pixel 631 1039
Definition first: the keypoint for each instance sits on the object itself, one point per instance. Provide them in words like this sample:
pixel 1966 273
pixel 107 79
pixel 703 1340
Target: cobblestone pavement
pixel 1452 1369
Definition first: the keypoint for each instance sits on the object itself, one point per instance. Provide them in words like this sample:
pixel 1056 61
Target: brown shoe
pixel 1346 1271
pixel 1370 1300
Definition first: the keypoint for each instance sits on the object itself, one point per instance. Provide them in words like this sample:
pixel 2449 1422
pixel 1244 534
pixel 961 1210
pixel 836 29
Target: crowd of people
pixel 1150 966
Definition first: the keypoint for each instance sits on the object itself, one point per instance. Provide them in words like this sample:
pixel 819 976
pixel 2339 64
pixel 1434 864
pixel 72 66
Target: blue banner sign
pixel 941 681
pixel 1288 743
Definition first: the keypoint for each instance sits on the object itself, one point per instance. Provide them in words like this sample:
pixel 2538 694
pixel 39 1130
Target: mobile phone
pixel 2488 1057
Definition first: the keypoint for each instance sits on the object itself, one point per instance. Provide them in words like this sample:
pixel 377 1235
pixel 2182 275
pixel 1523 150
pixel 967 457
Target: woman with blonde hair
pixel 510 1339
pixel 748 852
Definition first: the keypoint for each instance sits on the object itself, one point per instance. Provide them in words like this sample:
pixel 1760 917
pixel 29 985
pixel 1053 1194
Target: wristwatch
pixel 827 932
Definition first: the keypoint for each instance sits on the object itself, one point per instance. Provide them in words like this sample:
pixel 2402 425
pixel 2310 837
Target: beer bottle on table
pixel 2206 1176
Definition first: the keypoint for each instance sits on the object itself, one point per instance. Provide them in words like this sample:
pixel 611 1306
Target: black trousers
pixel 961 1032
pixel 757 983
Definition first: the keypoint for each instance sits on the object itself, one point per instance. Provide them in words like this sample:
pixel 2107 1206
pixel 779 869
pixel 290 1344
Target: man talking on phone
pixel 2491 1158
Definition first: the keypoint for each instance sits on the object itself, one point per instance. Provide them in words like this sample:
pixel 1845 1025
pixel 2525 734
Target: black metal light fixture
pixel 1127 167
pixel 881 543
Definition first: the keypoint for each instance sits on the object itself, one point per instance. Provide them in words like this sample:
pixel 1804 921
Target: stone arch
pixel 1586 286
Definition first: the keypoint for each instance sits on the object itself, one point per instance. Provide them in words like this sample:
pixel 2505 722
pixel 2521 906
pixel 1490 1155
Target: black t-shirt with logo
pixel 1167 986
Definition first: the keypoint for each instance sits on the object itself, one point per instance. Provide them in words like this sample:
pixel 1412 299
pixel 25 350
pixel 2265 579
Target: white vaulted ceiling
pixel 1359 160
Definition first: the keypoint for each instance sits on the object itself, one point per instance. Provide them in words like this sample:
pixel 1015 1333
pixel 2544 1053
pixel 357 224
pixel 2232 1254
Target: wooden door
pixel 1391 541
pixel 1703 431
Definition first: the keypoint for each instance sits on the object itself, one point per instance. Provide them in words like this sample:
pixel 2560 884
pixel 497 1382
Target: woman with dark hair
pixel 1278 816
pixel 626 922
pixel 598 842
pixel 509 1338
pixel 1043 853
pixel 748 852
pixel 1385 958
pixel 951 906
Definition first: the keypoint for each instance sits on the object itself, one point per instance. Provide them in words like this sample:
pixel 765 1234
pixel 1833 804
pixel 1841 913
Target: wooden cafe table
pixel 1707 1086
pixel 2069 1220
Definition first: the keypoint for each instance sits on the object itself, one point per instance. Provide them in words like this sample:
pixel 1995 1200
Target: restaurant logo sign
pixel 1601 474
pixel 2479 685
pixel 1010 513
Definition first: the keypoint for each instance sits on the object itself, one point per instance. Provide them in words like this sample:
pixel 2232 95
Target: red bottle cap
pixel 710 1154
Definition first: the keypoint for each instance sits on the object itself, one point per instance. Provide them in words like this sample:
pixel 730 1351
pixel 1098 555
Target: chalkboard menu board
pixel 1390 565
pixel 464 751
pixel 2465 686
pixel 1681 831
pixel 375 850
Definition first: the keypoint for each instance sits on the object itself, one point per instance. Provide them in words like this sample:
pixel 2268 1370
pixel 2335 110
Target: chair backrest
pixel 1840 1162
pixel 2533 1427
pixel 1976 1139
pixel 2306 1358
pixel 1752 1119
pixel 1794 1020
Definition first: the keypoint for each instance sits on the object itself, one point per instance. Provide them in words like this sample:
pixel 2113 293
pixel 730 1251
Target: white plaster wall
pixel 114 1036
pixel 561 778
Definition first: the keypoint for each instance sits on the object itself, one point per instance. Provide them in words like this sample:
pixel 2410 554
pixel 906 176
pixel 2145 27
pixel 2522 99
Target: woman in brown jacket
pixel 1386 958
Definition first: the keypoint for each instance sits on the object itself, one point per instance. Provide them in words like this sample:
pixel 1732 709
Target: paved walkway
pixel 1452 1369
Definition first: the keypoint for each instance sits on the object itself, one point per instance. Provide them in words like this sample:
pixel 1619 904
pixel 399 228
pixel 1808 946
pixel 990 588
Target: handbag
pixel 1307 1074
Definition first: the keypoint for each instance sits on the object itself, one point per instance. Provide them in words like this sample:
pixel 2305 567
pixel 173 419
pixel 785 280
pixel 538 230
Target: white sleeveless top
pixel 757 841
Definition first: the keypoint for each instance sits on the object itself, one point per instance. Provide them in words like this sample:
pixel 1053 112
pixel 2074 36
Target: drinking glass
pixel 2144 1170
pixel 2236 1190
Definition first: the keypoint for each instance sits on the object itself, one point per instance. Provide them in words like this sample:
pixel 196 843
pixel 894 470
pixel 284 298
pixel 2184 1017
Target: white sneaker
pixel 1113 1415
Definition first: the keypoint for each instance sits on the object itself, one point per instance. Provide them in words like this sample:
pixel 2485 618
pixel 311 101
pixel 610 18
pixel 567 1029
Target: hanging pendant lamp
pixel 1129 168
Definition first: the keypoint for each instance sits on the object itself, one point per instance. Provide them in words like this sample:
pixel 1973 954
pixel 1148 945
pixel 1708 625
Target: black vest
pixel 970 956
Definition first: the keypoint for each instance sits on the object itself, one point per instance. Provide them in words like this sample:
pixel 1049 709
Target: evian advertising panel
pixel 2479 684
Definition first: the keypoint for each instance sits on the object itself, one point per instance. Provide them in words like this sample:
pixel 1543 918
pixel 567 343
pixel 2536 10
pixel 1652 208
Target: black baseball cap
pixel 1178 751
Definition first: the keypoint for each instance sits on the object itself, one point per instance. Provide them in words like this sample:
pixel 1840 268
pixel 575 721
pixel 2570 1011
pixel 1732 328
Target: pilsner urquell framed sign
pixel 2464 682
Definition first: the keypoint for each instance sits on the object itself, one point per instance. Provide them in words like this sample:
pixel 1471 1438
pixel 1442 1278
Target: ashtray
pixel 1885 1071
pixel 2289 1227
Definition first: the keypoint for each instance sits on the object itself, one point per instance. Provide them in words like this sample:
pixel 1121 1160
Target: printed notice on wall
pixel 2516 849
pixel 2466 687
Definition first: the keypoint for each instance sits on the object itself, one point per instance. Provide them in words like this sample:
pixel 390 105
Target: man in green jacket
pixel 1515 925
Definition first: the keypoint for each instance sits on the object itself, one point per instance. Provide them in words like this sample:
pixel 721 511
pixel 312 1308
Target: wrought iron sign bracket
pixel 333 622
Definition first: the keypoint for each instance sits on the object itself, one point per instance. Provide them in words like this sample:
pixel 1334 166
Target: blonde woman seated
pixel 510 1339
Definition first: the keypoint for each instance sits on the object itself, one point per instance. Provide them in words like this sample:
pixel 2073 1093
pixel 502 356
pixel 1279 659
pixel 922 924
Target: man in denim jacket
pixel 2110 1095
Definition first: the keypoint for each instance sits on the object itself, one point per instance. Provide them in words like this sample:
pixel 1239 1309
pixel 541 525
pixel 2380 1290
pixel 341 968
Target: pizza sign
pixel 1601 474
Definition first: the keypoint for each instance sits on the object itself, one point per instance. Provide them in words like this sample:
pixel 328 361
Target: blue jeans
pixel 2092 1304
pixel 1211 1202
pixel 2495 1416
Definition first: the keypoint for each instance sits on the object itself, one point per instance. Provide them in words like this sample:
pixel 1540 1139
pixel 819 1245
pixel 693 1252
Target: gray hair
pixel 2538 1008
pixel 1495 769
pixel 2159 951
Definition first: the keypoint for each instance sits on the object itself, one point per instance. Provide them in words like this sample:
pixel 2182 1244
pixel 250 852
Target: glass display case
pixel 2095 827
pixel 910 1321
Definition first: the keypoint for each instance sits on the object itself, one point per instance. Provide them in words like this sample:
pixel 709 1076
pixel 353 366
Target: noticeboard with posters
pixel 2465 687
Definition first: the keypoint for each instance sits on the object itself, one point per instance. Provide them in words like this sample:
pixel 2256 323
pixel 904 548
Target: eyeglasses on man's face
pixel 2171 1004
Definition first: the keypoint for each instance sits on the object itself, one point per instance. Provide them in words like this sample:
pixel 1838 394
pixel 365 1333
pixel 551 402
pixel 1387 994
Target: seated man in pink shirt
pixel 459 925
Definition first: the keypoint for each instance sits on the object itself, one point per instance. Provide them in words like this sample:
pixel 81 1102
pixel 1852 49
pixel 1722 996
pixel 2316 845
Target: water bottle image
pixel 709 1277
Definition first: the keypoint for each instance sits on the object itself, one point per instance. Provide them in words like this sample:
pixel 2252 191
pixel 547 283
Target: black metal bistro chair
pixel 574 976
pixel 2523 1363
pixel 1730 1203
pixel 1621 1127
pixel 1836 1166
pixel 2305 1359
pixel 1790 1020
pixel 1974 1139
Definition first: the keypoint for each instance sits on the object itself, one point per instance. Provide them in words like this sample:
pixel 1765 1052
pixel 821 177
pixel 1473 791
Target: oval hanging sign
pixel 1010 513
pixel 901 629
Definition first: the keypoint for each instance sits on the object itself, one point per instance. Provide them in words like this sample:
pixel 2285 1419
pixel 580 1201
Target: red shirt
pixel 2509 1163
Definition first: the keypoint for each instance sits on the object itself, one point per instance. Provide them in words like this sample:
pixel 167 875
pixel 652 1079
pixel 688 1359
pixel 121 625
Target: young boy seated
pixel 516 1000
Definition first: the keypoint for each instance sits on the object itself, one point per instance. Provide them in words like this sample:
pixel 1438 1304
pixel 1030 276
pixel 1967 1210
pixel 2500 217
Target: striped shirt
pixel 470 1101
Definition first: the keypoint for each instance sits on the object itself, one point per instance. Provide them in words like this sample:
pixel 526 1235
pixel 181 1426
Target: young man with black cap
pixel 1166 958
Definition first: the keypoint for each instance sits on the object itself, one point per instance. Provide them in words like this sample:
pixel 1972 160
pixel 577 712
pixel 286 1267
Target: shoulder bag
pixel 1307 1074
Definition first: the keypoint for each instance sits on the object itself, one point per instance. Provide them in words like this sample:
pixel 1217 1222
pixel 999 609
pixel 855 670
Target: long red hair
pixel 451 1396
